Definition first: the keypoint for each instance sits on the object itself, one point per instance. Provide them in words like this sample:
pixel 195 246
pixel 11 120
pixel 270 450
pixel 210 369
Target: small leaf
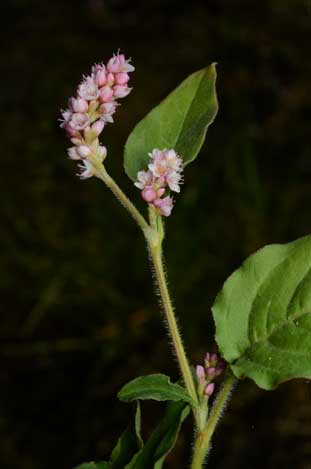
pixel 93 465
pixel 129 443
pixel 157 387
pixel 162 439
pixel 263 315
pixel 179 122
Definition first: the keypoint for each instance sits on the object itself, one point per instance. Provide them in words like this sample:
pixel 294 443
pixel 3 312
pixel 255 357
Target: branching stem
pixel 203 437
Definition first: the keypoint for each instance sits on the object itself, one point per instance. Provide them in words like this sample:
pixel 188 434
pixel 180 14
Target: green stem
pixel 156 256
pixel 113 186
pixel 203 437
pixel 154 235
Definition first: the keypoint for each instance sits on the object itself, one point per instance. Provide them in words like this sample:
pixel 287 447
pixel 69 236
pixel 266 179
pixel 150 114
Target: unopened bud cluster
pixel 213 367
pixel 164 174
pixel 94 106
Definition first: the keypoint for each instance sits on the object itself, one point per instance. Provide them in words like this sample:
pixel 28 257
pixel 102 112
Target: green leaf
pixel 162 439
pixel 263 315
pixel 93 465
pixel 179 122
pixel 157 387
pixel 129 443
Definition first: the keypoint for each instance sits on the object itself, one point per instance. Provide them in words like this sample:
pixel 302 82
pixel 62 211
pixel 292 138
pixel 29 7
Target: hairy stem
pixel 117 191
pixel 203 438
pixel 154 235
pixel 156 256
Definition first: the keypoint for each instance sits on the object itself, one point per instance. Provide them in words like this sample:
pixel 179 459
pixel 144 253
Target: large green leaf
pixel 156 386
pixel 129 443
pixel 162 439
pixel 179 122
pixel 263 315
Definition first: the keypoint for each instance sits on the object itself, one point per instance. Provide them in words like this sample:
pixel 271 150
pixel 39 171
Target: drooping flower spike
pixel 164 174
pixel 94 105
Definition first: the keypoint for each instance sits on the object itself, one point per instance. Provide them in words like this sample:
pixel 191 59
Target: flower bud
pixel 106 94
pixel 148 195
pixel 70 131
pixel 120 91
pixel 88 89
pixel 118 64
pixel 160 192
pixel 98 127
pixel 102 152
pixel 73 154
pixel 200 372
pixel 76 141
pixel 164 206
pixel 78 105
pixel 122 78
pixel 100 77
pixel 208 391
pixel 207 359
pixel 83 151
pixel 79 121
pixel 110 79
pixel 66 116
pixel 211 371
pixel 214 358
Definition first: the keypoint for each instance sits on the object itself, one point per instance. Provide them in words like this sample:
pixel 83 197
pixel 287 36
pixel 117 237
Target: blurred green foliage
pixel 79 316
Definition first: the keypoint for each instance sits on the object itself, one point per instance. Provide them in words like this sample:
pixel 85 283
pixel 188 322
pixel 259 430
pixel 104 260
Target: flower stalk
pixel 156 257
pixel 102 174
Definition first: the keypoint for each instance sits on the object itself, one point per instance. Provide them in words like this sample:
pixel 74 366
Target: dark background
pixel 78 314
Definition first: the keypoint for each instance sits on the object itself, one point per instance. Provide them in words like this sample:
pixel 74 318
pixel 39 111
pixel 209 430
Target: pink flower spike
pixel 208 391
pixel 106 94
pixel 148 195
pixel 98 127
pixel 121 91
pixel 122 78
pixel 89 111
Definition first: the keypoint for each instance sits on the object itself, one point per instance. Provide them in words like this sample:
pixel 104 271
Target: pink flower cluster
pixel 213 367
pixel 94 106
pixel 164 173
